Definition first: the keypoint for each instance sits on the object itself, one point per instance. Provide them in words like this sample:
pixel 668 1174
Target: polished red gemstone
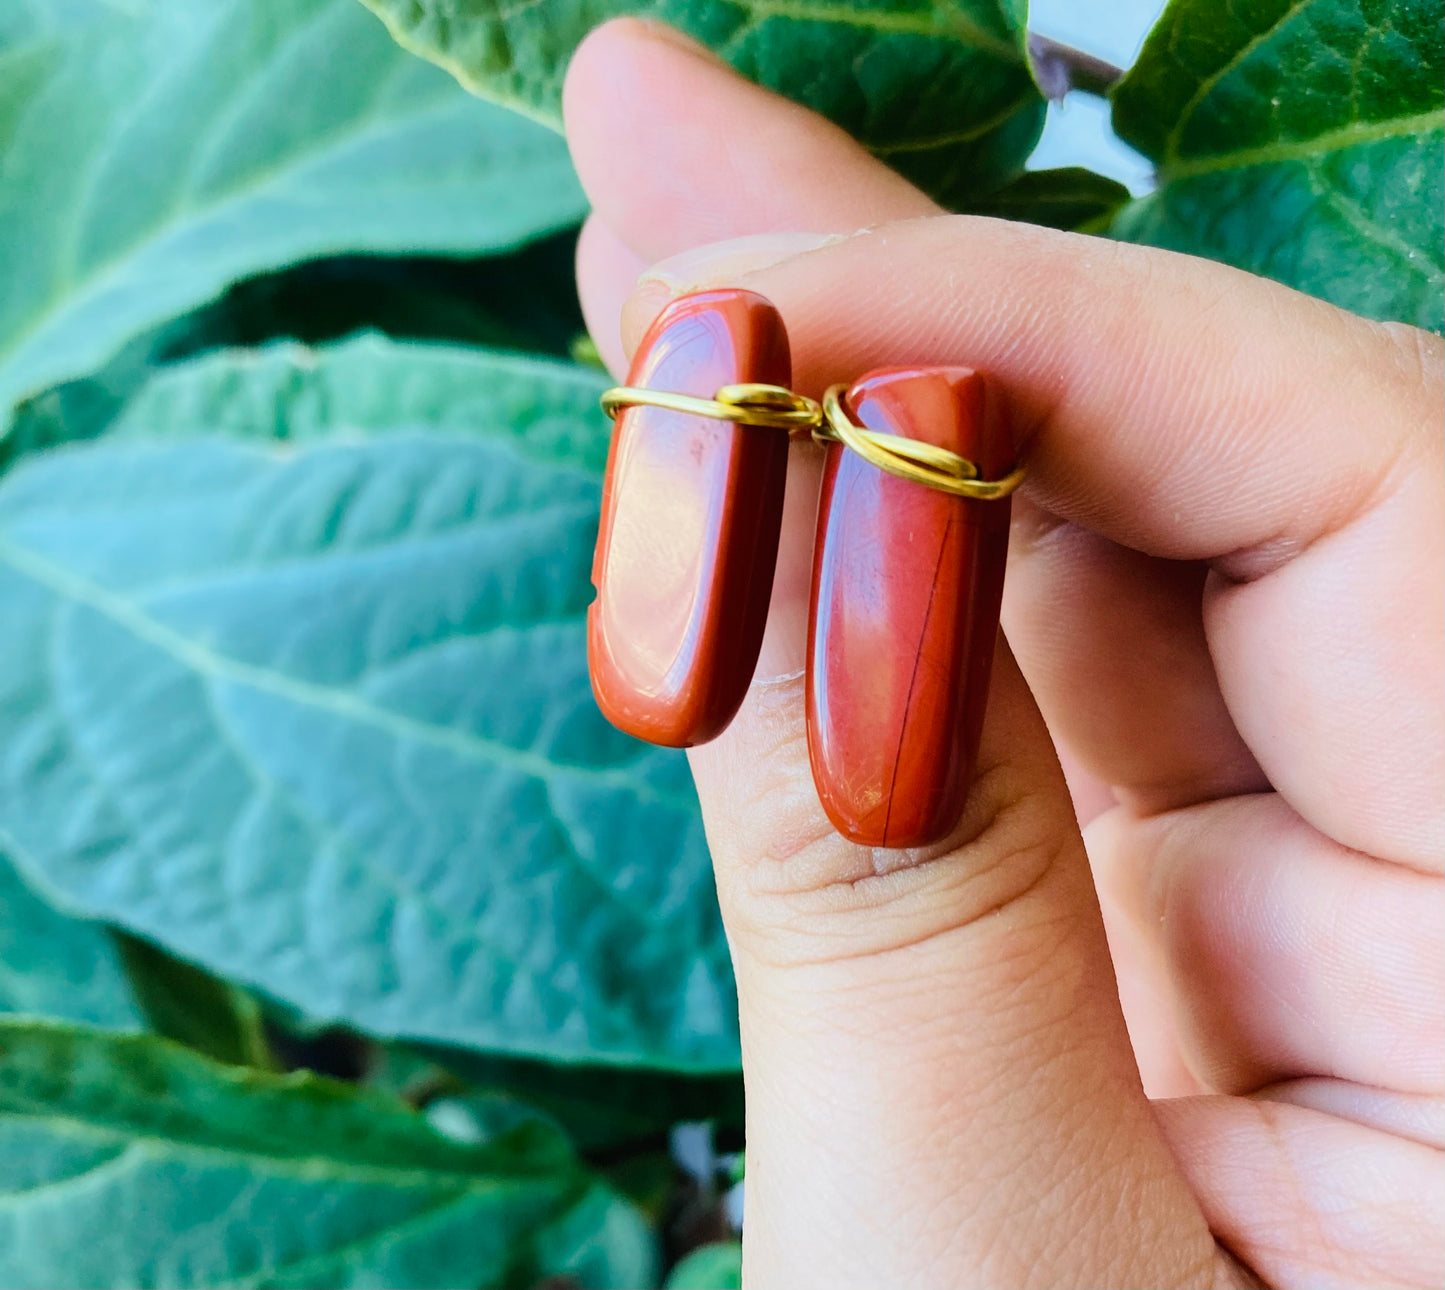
pixel 689 536
pixel 907 582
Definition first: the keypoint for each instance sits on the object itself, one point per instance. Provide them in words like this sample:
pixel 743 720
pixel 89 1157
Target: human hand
pixel 1225 598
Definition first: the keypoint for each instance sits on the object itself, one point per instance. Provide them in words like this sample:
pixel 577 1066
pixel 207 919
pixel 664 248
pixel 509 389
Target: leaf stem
pixel 1059 68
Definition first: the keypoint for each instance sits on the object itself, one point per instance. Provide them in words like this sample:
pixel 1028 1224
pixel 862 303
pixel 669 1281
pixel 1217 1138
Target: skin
pixel 1203 1043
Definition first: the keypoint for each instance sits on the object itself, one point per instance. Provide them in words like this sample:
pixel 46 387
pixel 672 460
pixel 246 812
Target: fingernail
pixel 724 262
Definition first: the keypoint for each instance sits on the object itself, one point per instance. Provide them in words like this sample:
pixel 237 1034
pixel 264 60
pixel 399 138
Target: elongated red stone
pixel 690 515
pixel 907 582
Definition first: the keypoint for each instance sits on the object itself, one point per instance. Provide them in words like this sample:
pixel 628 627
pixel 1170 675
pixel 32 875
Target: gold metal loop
pixel 920 463
pixel 778 408
pixel 745 405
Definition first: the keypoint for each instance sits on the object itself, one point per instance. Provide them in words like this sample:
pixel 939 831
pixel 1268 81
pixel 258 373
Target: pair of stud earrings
pixel 908 565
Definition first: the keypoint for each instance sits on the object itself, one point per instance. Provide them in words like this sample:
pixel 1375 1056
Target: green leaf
pixel 127 1161
pixel 940 89
pixel 190 1006
pixel 55 966
pixel 1300 139
pixel 155 151
pixel 305 700
pixel 603 1108
pixel 525 299
pixel 710 1267
pixel 1069 198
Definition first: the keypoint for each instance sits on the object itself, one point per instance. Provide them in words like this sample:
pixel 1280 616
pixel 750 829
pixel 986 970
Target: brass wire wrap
pixel 922 463
pixel 744 405
pixel 773 406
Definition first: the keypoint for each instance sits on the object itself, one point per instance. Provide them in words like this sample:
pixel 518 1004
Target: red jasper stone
pixel 907 582
pixel 690 515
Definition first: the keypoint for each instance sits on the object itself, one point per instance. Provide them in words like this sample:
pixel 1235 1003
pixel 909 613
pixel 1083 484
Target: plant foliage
pixel 299 765
pixel 1299 139
pixel 237 1177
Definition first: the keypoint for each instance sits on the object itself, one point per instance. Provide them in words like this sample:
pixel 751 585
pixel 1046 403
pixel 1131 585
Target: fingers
pixel 1419 1117
pixel 939 1028
pixel 610 268
pixel 859 971
pixel 649 114
pixel 1186 411
pixel 1103 625
pixel 1287 954
pixel 1240 444
pixel 1266 1172
pixel 670 146
pixel 940 1090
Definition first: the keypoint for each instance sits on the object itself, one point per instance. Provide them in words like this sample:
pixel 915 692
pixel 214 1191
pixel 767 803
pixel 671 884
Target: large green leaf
pixel 1301 139
pixel 152 152
pixel 55 966
pixel 939 88
pixel 126 1161
pixel 315 713
pixel 525 299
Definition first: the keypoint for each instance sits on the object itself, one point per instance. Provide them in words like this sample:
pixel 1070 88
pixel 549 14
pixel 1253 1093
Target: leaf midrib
pixel 120 124
pixel 470 1189
pixel 936 22
pixel 182 216
pixel 213 666
pixel 400 886
pixel 153 1146
pixel 101 277
pixel 1306 149
pixel 967 135
pixel 1206 84
pixel 966 31
pixel 423 1218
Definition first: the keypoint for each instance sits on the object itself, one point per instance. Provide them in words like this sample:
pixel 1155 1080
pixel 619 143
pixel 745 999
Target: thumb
pixel 940 1088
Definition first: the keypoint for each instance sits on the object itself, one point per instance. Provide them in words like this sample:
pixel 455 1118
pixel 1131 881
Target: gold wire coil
pixel 744 405
pixel 776 407
pixel 921 463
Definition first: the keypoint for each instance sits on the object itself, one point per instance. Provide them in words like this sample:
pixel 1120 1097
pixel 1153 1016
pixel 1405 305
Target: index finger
pixel 1193 412
pixel 1197 413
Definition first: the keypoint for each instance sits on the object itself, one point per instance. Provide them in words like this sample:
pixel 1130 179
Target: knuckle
pixel 808 896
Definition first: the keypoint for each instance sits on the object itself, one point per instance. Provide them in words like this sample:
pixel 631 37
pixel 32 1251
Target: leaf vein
pixel 936 21
pixel 1353 214
pixel 16 1197
pixel 1306 149
pixel 207 662
pixel 966 135
pixel 146 1146
pixel 1171 142
pixel 323 1262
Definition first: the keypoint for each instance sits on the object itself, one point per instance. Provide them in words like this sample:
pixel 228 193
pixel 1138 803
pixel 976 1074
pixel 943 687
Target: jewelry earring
pixel 691 509
pixel 907 568
pixel 907 581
